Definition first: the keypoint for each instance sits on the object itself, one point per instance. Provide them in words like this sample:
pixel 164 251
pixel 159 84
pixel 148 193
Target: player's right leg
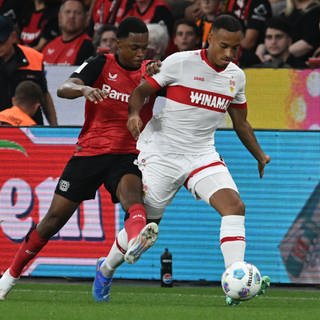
pixel 60 211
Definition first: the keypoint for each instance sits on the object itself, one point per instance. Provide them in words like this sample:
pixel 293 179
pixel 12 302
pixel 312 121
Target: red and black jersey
pixel 42 24
pixel 157 11
pixel 72 52
pixel 107 11
pixel 253 13
pixel 105 127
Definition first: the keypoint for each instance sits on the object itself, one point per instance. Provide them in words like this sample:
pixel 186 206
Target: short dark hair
pixel 28 93
pixel 279 23
pixel 131 25
pixel 228 22
pixel 187 23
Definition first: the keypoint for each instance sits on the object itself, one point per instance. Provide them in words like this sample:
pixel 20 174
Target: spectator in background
pixel 42 25
pixel 186 35
pixel 178 8
pixel 105 39
pixel 19 63
pixel 277 42
pixel 158 41
pixel 74 45
pixel 303 18
pixel 210 9
pixel 26 101
pixel 254 15
pixel 105 12
pixel 193 10
pixel 151 11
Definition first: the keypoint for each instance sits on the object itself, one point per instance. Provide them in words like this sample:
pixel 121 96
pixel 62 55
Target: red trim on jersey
pixel 194 172
pixel 238 105
pixel 204 56
pixel 199 98
pixel 234 238
pixel 153 82
pixel 119 247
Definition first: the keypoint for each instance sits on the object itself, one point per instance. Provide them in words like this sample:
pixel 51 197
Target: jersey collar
pixel 204 56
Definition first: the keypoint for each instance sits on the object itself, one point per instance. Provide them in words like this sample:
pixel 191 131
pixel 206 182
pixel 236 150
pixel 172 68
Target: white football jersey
pixel 197 98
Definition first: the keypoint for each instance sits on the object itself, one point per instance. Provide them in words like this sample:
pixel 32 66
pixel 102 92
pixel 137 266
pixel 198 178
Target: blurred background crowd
pixel 278 33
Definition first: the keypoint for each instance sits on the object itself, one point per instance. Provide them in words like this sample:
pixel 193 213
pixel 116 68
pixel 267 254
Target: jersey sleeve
pixel 240 100
pixel 90 70
pixel 169 72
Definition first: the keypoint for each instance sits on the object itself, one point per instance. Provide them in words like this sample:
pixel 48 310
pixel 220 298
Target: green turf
pixel 39 301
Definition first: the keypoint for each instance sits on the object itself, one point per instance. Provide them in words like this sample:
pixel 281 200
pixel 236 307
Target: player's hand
pixel 153 67
pixel 262 164
pixel 134 125
pixel 94 95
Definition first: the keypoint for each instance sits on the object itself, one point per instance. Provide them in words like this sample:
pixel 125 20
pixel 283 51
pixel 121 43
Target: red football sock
pixel 136 220
pixel 29 248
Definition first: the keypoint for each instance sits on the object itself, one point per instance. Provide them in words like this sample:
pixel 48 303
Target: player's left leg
pixel 220 191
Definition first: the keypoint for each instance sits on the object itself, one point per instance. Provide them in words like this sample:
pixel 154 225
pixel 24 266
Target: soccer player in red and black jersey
pixel 105 153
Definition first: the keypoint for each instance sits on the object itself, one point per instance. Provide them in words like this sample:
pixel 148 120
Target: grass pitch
pixel 72 301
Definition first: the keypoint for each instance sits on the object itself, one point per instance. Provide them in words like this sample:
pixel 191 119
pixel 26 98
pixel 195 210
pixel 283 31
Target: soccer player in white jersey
pixel 177 145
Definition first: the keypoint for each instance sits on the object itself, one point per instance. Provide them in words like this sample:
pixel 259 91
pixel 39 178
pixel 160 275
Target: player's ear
pixel 210 37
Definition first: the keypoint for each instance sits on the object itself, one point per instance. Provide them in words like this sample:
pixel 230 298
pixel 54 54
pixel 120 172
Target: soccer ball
pixel 241 281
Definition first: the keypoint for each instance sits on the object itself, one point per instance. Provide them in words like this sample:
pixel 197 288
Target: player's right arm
pixel 136 101
pixel 167 75
pixel 80 82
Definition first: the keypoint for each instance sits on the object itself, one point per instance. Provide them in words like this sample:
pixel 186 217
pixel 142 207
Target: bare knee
pixel 227 202
pixel 235 206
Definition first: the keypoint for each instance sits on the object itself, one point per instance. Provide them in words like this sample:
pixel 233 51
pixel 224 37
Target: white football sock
pixel 116 254
pixel 232 239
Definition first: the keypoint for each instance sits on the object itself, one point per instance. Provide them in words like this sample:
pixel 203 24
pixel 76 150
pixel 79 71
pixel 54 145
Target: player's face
pixel 132 50
pixel 223 47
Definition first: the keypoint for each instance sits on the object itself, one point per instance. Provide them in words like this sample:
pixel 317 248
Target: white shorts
pixel 163 175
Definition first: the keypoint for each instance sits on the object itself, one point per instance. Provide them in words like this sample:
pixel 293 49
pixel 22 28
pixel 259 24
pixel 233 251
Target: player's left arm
pixel 247 136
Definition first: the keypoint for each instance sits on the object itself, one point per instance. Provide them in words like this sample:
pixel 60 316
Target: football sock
pixel 136 220
pixel 232 239
pixel 115 255
pixel 29 248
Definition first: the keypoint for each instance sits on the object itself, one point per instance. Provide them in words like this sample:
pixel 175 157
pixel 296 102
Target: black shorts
pixel 83 176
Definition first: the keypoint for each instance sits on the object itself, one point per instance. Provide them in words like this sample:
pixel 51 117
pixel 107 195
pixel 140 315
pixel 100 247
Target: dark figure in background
pixel 19 63
pixel 27 100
